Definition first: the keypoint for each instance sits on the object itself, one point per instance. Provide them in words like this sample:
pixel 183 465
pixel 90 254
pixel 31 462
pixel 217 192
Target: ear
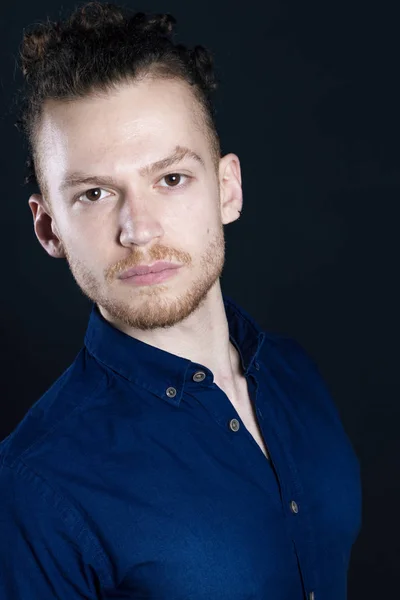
pixel 230 185
pixel 45 227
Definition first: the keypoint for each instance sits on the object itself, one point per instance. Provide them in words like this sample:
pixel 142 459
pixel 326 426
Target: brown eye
pixel 173 178
pixel 93 194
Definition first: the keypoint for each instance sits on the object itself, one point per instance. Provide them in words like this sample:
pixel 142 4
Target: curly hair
pixel 98 47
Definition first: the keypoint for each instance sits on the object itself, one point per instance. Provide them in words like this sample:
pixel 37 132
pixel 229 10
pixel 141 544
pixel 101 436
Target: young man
pixel 185 453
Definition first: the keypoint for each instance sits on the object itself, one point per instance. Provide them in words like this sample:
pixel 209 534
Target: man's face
pixel 104 228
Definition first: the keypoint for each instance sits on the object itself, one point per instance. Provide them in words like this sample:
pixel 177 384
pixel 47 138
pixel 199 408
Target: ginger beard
pixel 148 307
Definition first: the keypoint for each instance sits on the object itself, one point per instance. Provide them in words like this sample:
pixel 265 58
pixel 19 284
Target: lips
pixel 144 269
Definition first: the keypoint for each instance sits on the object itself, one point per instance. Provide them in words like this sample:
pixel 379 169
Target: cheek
pixel 85 248
pixel 88 230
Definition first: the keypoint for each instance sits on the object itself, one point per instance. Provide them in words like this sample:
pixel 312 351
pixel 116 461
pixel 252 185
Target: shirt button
pixel 171 392
pixel 199 376
pixel 311 596
pixel 293 506
pixel 234 424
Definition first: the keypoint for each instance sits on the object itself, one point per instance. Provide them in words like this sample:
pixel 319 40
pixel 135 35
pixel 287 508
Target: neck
pixel 202 337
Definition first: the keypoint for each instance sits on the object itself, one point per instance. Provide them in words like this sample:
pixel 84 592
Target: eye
pixel 173 178
pixel 93 195
pixel 94 198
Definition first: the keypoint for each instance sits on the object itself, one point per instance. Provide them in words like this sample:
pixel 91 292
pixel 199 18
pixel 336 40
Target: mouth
pixel 151 277
pixel 145 269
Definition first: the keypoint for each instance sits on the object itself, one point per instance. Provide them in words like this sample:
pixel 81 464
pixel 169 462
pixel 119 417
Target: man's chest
pixel 246 411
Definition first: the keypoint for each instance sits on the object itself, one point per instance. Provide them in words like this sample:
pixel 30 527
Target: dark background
pixel 310 103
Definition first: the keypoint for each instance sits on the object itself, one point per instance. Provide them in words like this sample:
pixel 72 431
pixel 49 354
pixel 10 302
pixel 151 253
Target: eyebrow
pixel 78 177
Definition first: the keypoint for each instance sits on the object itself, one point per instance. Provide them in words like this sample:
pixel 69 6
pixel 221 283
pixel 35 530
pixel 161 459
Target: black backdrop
pixel 310 102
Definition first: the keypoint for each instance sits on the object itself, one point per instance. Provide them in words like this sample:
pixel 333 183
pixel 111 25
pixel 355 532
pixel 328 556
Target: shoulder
pixel 281 349
pixel 291 367
pixel 71 392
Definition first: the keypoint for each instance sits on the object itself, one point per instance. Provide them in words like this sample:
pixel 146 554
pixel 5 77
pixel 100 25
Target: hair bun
pixel 94 15
pixel 204 63
pixel 34 47
pixel 161 24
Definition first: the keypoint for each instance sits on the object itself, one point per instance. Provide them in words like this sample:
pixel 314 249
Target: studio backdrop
pixel 309 100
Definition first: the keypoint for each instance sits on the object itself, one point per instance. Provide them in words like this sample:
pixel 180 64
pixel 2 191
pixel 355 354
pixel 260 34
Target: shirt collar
pixel 160 371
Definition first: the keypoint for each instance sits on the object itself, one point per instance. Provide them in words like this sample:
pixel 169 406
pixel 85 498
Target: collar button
pixel 199 376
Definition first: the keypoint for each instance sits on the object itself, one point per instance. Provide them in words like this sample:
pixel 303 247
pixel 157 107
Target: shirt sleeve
pixel 46 552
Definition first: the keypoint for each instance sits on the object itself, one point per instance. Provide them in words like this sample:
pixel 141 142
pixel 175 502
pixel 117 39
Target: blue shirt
pixel 133 476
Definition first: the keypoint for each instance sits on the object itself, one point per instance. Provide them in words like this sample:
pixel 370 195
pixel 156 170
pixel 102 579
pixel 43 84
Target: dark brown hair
pixel 99 46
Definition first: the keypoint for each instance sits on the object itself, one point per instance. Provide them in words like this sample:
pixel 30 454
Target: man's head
pixel 109 95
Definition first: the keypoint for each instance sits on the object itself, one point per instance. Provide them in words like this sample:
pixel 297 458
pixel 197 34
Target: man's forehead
pixel 75 139
pixel 98 130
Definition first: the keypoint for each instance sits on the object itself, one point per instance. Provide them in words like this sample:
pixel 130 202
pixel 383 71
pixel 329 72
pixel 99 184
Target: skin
pixel 142 219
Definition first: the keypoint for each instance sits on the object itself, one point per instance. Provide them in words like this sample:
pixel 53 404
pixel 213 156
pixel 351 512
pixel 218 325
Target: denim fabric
pixel 134 476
